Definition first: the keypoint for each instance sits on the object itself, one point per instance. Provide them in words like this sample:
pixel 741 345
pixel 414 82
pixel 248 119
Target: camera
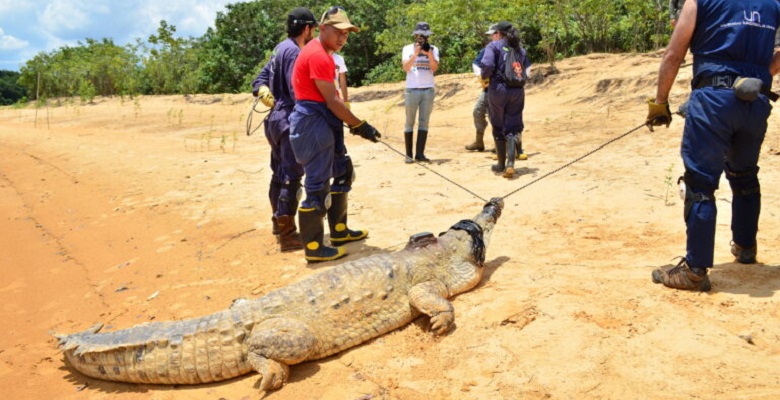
pixel 423 42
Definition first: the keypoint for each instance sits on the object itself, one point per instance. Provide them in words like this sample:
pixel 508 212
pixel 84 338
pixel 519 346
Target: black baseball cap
pixel 301 16
pixel 504 26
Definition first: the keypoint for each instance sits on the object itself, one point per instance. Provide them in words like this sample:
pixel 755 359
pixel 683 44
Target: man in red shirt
pixel 317 139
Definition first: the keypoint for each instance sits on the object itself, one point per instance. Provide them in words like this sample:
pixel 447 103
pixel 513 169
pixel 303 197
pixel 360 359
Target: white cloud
pixel 32 26
pixel 190 18
pixel 7 6
pixel 63 16
pixel 11 43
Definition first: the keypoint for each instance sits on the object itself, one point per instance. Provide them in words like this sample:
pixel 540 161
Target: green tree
pixel 65 71
pixel 233 52
pixel 10 90
pixel 170 63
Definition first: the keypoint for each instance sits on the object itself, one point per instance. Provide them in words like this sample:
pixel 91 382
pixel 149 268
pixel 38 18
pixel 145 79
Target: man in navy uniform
pixel 732 43
pixel 273 87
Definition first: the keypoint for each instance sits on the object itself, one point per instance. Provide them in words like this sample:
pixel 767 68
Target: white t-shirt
pixel 420 75
pixel 341 67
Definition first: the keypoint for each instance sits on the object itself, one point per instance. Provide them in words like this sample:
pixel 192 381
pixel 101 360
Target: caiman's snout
pixel 494 207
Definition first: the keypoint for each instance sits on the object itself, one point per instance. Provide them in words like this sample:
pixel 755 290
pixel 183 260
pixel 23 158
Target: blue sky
pixel 28 27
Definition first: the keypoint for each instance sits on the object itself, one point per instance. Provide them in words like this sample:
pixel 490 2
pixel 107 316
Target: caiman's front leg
pixel 431 299
pixel 276 343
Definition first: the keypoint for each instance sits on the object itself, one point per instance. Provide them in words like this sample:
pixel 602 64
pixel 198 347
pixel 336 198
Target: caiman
pixel 318 316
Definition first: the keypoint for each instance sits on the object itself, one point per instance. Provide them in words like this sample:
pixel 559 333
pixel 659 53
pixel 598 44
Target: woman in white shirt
pixel 420 60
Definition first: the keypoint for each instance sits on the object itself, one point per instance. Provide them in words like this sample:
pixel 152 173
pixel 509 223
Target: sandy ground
pixel 155 209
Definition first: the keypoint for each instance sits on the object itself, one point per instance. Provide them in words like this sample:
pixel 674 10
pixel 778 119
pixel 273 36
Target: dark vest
pixel 734 37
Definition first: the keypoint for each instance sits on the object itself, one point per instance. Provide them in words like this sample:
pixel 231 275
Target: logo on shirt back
pixel 755 16
pixel 749 18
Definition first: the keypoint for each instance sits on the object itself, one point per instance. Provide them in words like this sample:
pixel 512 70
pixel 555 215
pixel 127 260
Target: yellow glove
pixel 348 104
pixel 657 114
pixel 264 93
pixel 485 82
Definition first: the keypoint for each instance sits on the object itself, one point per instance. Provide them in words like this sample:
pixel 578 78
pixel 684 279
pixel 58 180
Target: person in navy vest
pixel 506 103
pixel 732 43
pixel 273 87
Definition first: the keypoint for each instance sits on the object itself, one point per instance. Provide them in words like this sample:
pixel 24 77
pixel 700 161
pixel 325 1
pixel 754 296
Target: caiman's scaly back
pixel 321 315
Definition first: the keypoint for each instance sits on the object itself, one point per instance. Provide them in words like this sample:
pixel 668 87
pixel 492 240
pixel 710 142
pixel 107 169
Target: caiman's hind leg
pixel 276 343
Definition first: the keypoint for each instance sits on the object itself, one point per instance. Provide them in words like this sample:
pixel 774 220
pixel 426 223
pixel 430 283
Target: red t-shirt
pixel 314 63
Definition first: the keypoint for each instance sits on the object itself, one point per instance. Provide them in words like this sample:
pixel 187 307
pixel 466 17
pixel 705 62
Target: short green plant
pixel 668 182
pixel 223 142
pixel 137 106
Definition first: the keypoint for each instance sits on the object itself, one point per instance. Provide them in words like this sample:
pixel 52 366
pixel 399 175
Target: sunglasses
pixel 334 10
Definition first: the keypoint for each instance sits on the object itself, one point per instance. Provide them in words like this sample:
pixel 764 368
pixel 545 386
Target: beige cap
pixel 337 17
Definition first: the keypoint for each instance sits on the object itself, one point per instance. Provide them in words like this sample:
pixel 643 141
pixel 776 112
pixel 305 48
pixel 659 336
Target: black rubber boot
pixel 289 238
pixel 501 156
pixel 422 138
pixel 337 221
pixel 408 143
pixel 511 151
pixel 312 232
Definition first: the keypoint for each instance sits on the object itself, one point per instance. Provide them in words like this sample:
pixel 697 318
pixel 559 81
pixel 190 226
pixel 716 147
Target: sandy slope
pixel 126 212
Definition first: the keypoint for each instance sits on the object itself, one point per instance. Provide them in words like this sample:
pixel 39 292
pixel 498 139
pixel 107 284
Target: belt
pixel 727 82
pixel 422 88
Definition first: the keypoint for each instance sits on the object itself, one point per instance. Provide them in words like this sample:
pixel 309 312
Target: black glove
pixel 254 93
pixel 366 131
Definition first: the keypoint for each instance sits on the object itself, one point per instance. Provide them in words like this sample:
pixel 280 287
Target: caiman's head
pixel 464 275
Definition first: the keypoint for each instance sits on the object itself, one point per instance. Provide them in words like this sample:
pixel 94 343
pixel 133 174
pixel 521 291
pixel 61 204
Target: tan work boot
pixel 682 277
pixel 478 144
pixel 289 238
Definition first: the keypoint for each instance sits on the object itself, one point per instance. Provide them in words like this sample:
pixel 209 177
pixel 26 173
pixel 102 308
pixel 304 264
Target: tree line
pixel 228 56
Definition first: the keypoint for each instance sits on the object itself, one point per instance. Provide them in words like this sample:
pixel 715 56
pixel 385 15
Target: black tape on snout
pixel 495 207
pixel 477 242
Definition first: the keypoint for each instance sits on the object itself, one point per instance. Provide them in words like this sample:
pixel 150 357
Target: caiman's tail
pixel 192 351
